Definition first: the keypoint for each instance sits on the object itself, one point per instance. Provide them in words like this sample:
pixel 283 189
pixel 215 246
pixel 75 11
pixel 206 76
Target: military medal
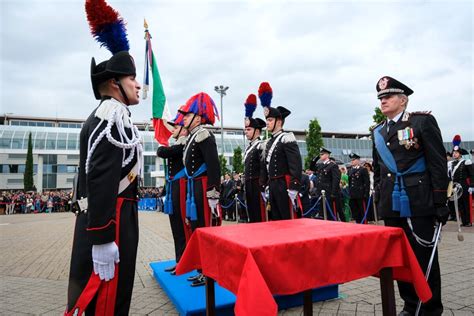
pixel 406 138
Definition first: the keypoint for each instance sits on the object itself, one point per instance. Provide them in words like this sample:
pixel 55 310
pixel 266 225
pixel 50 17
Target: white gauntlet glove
pixel 292 194
pixel 105 257
pixel 213 205
pixel 470 190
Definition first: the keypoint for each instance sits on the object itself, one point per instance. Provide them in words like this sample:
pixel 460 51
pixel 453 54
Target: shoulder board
pixel 107 108
pixel 202 135
pixel 421 113
pixel 288 138
pixel 181 140
pixel 468 162
pixel 373 127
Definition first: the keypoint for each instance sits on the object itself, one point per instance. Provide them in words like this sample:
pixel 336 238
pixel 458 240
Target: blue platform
pixel 192 300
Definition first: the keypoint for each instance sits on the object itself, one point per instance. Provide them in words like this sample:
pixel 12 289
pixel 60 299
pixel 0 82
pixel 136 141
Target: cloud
pixel 321 58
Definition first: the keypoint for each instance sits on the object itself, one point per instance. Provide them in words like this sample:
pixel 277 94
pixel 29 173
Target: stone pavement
pixel 34 265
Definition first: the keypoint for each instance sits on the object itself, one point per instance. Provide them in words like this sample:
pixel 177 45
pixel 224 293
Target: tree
pixel 28 175
pixel 378 117
pixel 237 163
pixel 223 165
pixel 314 141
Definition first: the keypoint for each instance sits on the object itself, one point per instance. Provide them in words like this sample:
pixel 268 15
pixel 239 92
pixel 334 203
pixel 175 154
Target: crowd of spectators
pixel 21 202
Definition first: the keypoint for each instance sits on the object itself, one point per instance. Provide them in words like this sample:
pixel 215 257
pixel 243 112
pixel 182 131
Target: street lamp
pixel 222 91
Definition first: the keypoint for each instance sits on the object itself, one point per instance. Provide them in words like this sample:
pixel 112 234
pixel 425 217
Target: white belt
pixel 124 183
pixel 128 179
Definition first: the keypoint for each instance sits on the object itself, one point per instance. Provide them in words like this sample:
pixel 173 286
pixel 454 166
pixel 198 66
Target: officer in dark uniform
pixel 359 186
pixel 227 198
pixel 106 231
pixel 281 167
pixel 174 204
pixel 461 171
pixel 252 156
pixel 201 164
pixel 410 180
pixel 328 179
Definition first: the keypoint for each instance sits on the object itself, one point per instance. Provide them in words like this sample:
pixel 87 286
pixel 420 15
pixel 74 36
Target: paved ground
pixel 34 266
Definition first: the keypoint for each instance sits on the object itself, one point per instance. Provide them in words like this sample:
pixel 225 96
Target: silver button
pixel 389 175
pixel 388 143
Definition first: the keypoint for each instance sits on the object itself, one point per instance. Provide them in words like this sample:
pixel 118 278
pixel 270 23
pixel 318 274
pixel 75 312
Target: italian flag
pixel 160 110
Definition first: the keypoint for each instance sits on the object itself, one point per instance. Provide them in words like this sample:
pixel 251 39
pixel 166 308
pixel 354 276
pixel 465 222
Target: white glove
pixel 471 190
pixel 292 194
pixel 213 205
pixel 105 257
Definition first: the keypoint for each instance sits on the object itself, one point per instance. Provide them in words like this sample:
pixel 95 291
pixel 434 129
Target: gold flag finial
pixel 145 25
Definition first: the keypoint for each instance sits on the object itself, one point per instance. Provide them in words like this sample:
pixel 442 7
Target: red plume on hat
pixel 250 105
pixel 456 140
pixel 265 94
pixel 201 104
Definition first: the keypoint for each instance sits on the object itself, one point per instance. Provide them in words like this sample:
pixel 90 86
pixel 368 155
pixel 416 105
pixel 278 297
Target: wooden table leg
pixel 388 294
pixel 308 302
pixel 210 297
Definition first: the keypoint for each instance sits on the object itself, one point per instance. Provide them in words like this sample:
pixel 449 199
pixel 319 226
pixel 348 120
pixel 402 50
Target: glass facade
pixel 59 149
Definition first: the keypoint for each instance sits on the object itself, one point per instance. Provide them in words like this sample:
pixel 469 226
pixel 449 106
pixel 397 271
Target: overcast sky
pixel 322 59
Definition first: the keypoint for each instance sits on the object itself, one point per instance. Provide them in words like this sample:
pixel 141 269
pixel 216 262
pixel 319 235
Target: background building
pixel 56 150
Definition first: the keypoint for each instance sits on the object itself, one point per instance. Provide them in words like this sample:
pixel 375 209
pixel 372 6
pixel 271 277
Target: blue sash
pixel 400 201
pixel 191 211
pixel 168 206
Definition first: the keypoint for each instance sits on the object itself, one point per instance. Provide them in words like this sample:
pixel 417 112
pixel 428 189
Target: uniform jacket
pixel 359 183
pixel 328 177
pixel 100 185
pixel 202 149
pixel 424 189
pixel 284 160
pixel 174 154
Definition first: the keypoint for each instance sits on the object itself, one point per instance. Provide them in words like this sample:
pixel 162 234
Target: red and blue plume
pixel 202 105
pixel 250 105
pixel 107 26
pixel 265 94
pixel 456 140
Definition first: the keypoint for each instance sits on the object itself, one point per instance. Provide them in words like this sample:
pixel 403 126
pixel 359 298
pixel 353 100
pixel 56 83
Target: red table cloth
pixel 255 261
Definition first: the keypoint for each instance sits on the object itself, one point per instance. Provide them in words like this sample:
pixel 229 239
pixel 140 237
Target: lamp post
pixel 222 91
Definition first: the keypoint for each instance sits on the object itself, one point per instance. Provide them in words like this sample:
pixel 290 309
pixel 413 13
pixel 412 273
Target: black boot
pixel 194 277
pixel 200 281
pixel 170 269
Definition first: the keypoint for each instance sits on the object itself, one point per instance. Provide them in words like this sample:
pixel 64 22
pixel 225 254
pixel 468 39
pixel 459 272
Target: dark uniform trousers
pixel 255 203
pixel 424 228
pixel 109 218
pixel 426 192
pixel 174 156
pixel 253 187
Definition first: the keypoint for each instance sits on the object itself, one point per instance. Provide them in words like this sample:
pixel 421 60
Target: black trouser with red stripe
pixel 82 267
pixel 280 203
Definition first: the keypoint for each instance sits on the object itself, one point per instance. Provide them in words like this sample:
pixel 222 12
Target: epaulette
pixel 376 125
pixel 288 138
pixel 421 113
pixel 182 140
pixel 261 145
pixel 202 134
pixel 108 107
pixel 467 162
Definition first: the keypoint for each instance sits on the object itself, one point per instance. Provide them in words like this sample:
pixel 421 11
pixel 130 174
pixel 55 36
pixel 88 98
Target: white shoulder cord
pixel 131 144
